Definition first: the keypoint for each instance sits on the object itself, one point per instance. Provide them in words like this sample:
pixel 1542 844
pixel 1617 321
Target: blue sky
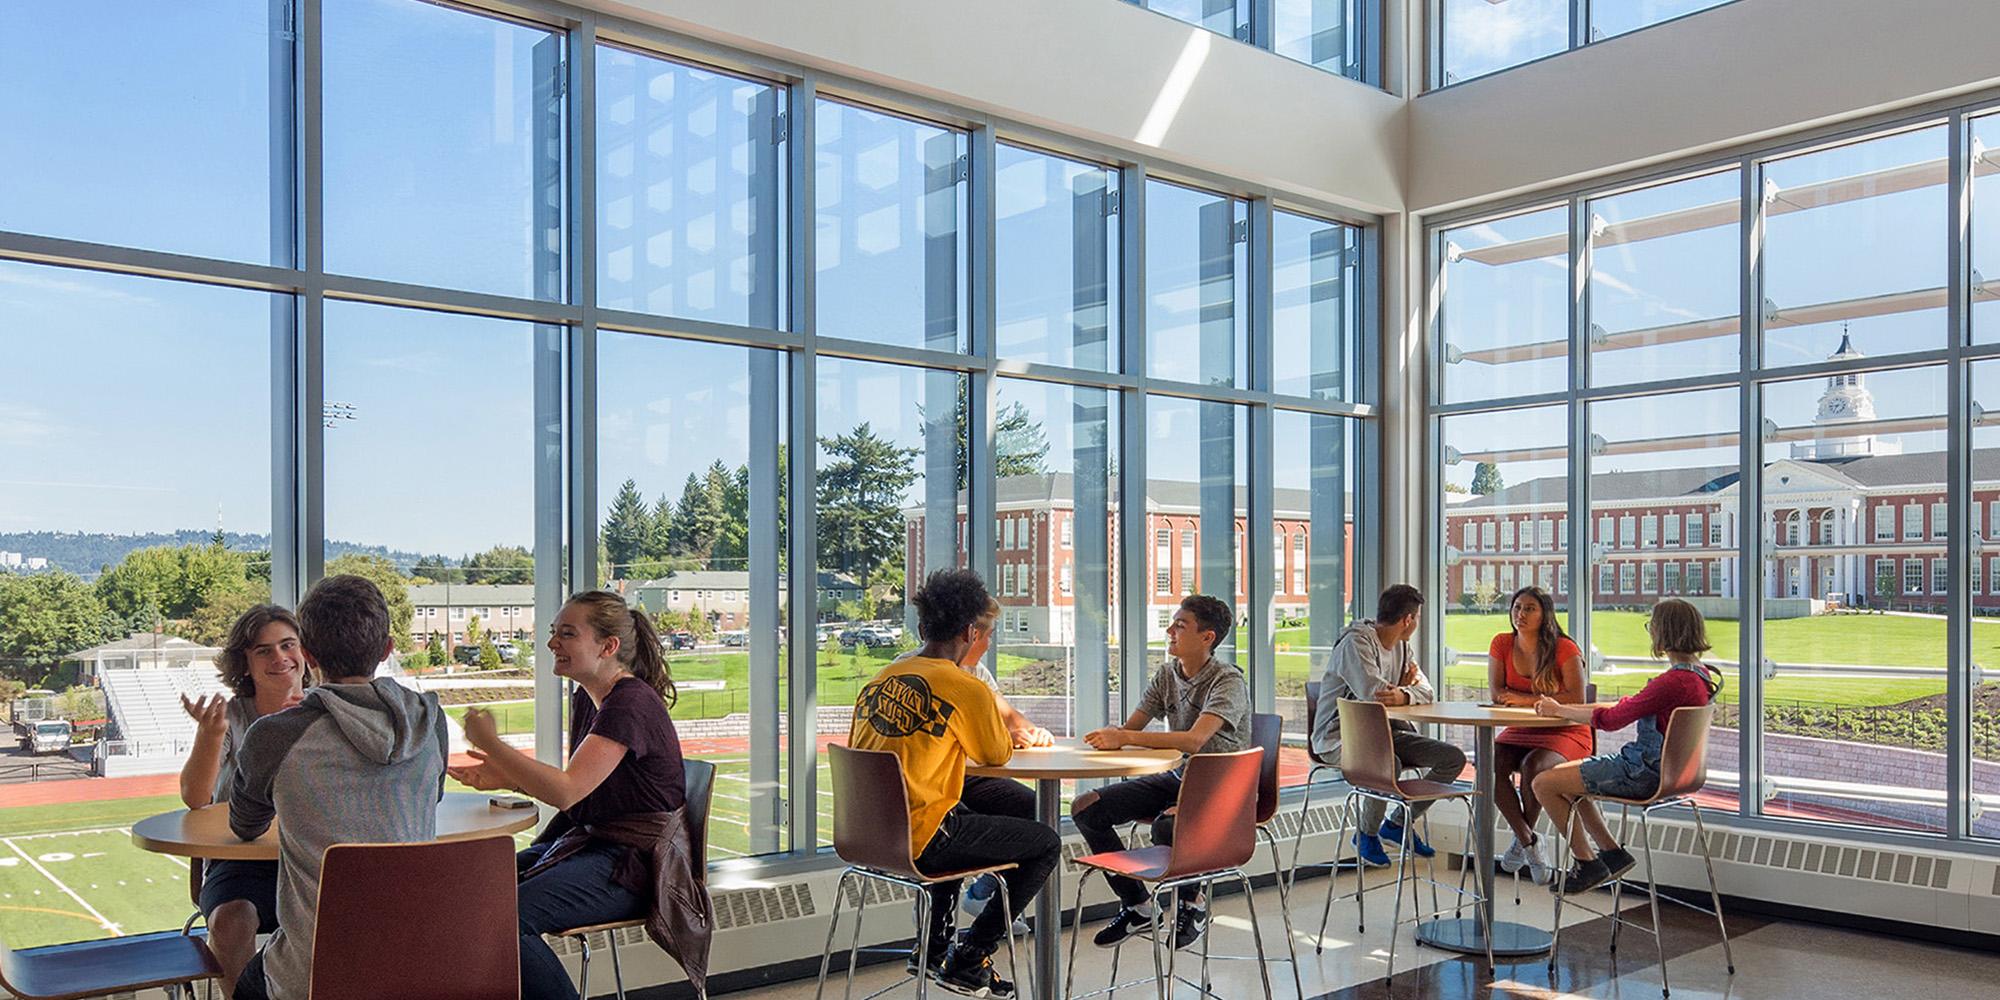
pixel 433 174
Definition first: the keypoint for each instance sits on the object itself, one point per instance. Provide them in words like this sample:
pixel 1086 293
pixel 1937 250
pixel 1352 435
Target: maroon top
pixel 1673 688
pixel 649 778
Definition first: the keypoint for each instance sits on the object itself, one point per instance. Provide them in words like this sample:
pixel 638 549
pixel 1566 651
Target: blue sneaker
pixel 1392 832
pixel 1369 850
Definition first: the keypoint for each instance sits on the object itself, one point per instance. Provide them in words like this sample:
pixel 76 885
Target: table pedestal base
pixel 1463 935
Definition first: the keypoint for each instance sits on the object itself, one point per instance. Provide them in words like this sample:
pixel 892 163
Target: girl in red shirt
pixel 1532 661
pixel 1678 634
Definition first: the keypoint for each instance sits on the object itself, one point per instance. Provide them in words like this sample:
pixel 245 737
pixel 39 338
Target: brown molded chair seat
pixel 375 899
pixel 1147 864
pixel 100 967
pixel 1419 790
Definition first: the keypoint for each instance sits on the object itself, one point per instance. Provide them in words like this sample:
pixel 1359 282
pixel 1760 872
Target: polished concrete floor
pixel 1774 959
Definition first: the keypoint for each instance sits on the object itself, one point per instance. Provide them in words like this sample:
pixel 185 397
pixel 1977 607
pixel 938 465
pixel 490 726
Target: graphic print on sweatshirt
pixel 903 705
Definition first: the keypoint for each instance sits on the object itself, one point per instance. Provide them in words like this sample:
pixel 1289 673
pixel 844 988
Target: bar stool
pixel 1683 772
pixel 1368 761
pixel 97 968
pixel 700 776
pixel 1312 777
pixel 871 832
pixel 1214 836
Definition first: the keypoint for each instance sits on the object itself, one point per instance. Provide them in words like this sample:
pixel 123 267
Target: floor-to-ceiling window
pixel 492 309
pixel 1471 38
pixel 1806 310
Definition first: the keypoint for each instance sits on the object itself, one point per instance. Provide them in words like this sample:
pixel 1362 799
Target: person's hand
pixel 1410 675
pixel 1548 707
pixel 1108 738
pixel 480 729
pixel 1393 696
pixel 482 776
pixel 1033 736
pixel 209 714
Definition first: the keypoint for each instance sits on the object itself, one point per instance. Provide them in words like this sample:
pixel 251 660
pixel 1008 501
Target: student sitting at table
pixel 1680 635
pixel 1535 659
pixel 1206 705
pixel 621 847
pixel 934 716
pixel 991 796
pixel 360 760
pixel 264 668
pixel 1372 660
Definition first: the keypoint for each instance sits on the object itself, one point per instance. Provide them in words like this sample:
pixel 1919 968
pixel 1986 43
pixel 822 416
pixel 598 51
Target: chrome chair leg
pixel 1013 958
pixel 617 972
pixel 1653 895
pixel 1257 935
pixel 1714 897
pixel 1339 839
pixel 1396 916
pixel 583 977
pixel 1159 973
pixel 1618 886
pixel 923 942
pixel 832 925
pixel 1076 933
pixel 1171 920
pixel 1563 838
pixel 1432 861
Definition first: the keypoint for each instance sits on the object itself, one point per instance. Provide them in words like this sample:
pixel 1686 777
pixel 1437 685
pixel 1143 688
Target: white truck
pixel 36 725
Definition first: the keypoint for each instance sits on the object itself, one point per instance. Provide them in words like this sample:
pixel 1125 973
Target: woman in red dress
pixel 1533 660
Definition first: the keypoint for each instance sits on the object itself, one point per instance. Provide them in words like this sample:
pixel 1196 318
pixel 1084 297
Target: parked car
pixel 507 651
pixel 465 653
pixel 738 637
pixel 682 639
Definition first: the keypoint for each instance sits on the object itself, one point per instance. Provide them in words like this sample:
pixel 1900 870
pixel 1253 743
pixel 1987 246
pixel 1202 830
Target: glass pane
pixel 135 502
pixel 1983 563
pixel 444 148
pixel 1854 467
pixel 891 469
pixel 1056 456
pixel 1664 288
pixel 1481 36
pixel 1316 303
pixel 1312 559
pixel 1616 17
pixel 1197 461
pixel 688 176
pixel 1218 16
pixel 1055 257
pixel 891 212
pixel 1854 247
pixel 1194 332
pixel 1323 33
pixel 163 126
pixel 1503 475
pixel 460 546
pixel 1663 470
pixel 688 453
pixel 1504 307
pixel 1985 236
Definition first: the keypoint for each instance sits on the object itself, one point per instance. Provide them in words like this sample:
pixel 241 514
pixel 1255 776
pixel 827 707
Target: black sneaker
pixel 1127 923
pixel 1189 925
pixel 1618 861
pixel 938 951
pixel 968 973
pixel 1587 875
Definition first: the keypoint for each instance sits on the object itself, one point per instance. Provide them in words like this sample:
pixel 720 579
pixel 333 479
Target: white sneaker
pixel 1516 856
pixel 1538 867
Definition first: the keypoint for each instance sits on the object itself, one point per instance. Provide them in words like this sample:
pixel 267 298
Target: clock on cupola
pixel 1845 401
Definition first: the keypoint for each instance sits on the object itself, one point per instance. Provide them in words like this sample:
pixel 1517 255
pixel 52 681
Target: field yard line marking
pixel 726 795
pixel 92 910
pixel 73 833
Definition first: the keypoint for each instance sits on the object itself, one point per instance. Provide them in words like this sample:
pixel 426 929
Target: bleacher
pixel 151 733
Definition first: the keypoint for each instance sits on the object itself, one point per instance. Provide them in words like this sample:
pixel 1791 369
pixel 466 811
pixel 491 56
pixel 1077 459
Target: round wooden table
pixel 1509 938
pixel 1048 767
pixel 204 832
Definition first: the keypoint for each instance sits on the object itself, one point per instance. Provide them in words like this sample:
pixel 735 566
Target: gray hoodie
pixel 1358 668
pixel 353 763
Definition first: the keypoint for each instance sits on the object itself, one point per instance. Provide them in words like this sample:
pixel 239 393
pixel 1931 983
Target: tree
pixel 210 623
pixel 474 635
pixel 1486 479
pixel 437 569
pixel 166 582
pixel 489 656
pixel 660 541
pixel 1485 593
pixel 860 496
pixel 730 494
pixel 501 564
pixel 699 518
pixel 395 588
pixel 46 616
pixel 627 528
pixel 1020 446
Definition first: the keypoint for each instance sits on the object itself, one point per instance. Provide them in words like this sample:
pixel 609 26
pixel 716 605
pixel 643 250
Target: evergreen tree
pixel 861 486
pixel 699 518
pixel 1486 479
pixel 437 569
pixel 660 541
pixel 627 530
pixel 1020 445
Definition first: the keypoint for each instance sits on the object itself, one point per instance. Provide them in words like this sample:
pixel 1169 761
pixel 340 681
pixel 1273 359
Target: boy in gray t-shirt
pixel 1206 705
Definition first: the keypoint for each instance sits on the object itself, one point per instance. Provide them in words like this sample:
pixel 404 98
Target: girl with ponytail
pixel 1680 636
pixel 625 763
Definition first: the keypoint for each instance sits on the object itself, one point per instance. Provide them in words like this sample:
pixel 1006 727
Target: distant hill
pixel 84 553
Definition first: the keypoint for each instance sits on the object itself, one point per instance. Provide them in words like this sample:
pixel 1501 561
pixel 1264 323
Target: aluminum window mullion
pixel 1135 588
pixel 801 469
pixel 982 461
pixel 1581 584
pixel 85 255
pixel 1750 498
pixel 1260 511
pixel 287 317
pixel 1958 478
pixel 309 546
